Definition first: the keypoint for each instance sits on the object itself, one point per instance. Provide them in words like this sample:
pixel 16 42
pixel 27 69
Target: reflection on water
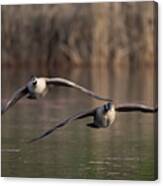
pixel 124 151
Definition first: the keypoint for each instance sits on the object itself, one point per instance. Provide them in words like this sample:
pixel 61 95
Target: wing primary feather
pixel 65 82
pixel 63 123
pixel 136 107
pixel 17 95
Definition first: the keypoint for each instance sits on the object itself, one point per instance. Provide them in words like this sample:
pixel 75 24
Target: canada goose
pixel 103 116
pixel 38 87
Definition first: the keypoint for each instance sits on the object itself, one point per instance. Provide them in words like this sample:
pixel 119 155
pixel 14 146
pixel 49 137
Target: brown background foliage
pixel 79 34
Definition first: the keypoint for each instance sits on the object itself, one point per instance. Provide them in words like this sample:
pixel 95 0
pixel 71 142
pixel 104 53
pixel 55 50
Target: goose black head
pixel 34 80
pixel 107 106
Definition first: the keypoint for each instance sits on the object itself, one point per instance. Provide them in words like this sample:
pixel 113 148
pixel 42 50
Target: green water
pixel 126 150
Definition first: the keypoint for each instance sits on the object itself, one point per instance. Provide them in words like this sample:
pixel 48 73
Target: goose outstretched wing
pixel 64 122
pixel 132 107
pixel 67 83
pixel 16 96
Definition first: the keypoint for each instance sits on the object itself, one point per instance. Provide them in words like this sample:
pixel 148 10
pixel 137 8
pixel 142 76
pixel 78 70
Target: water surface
pixel 126 150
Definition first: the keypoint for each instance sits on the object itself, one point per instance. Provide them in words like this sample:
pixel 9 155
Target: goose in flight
pixel 38 87
pixel 103 116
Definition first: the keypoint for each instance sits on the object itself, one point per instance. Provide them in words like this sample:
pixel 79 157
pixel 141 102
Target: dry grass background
pixel 112 34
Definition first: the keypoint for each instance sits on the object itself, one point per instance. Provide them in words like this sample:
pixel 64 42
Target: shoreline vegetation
pixel 60 36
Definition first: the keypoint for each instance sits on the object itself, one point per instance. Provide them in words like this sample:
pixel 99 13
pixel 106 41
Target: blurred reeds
pixel 113 34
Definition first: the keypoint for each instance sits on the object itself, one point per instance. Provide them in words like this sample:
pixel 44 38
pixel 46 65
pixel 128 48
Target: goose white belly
pixel 110 116
pixel 41 87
